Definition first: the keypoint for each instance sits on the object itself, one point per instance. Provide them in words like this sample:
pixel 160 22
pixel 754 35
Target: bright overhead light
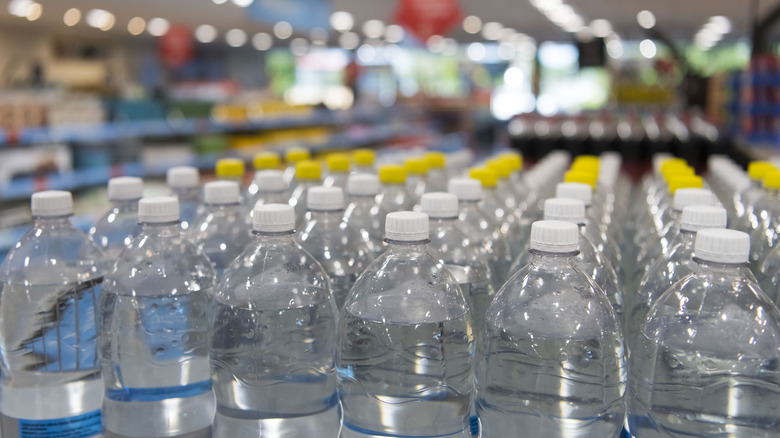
pixel 492 30
pixel 601 28
pixel 235 37
pixel 506 51
pixel 646 19
pixel 262 41
pixel 391 51
pixel 136 26
pixel 283 30
pixel 72 17
pixel 158 26
pixel 342 21
pixel 472 24
pixel 242 3
pixel 647 49
pixel 615 48
pixel 394 33
pixel 349 40
pixel 514 77
pixel 720 24
pixel 373 28
pixel 476 52
pixel 584 35
pixel 34 12
pixel 435 43
pixel 99 18
pixel 19 8
pixel 366 53
pixel 299 46
pixel 219 2
pixel 205 33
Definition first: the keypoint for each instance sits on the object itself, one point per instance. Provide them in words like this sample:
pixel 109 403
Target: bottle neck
pixel 327 215
pixel 130 205
pixel 161 229
pixel 547 258
pixel 400 248
pixel 719 268
pixel 52 222
pixel 362 199
pixel 443 223
pixel 186 193
pixel 276 237
pixel 687 237
pixel 226 208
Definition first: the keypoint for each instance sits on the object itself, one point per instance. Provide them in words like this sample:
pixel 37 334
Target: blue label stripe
pixel 160 393
pixel 81 426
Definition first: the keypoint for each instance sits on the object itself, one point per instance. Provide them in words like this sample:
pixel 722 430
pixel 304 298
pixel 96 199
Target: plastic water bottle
pixel 273 338
pixel 589 259
pixel 271 188
pixel 232 169
pixel 406 343
pixel 117 227
pixel 416 177
pixel 50 383
pixel 706 361
pixel 264 161
pixel 552 363
pixel 293 156
pixel 335 244
pixel 673 266
pixel 767 212
pixel 338 170
pixel 184 183
pixel 393 196
pixel 153 332
pixel 363 212
pixel 307 174
pixel 437 172
pixel 509 224
pixel 219 230
pixel 482 227
pixel 365 160
pixel 504 190
pixel 746 199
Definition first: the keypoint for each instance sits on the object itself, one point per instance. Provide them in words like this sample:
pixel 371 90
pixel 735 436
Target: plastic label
pixel 81 426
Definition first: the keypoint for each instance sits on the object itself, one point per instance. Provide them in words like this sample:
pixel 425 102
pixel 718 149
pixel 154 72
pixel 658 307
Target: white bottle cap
pixel 699 217
pixel 125 188
pixel 722 246
pixel 273 218
pixel 159 209
pixel 692 196
pixel 573 190
pixel 407 226
pixel 362 184
pixel 466 189
pixel 182 176
pixel 439 205
pixel 52 203
pixel 555 236
pixel 322 198
pixel 221 193
pixel 270 181
pixel 564 209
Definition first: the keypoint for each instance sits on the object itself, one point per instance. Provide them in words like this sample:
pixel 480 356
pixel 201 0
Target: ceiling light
pixel 100 18
pixel 158 26
pixel 242 3
pixel 219 2
pixel 615 48
pixel 373 28
pixel 492 30
pixel 262 41
pixel 720 24
pixel 472 24
pixel 506 51
pixel 349 40
pixel 235 37
pixel 394 33
pixel 342 21
pixel 476 52
pixel 646 19
pixel 647 49
pixel 205 33
pixel 299 46
pixel 366 53
pixel 283 30
pixel 601 28
pixel 72 17
pixel 34 12
pixel 19 7
pixel 435 43
pixel 136 26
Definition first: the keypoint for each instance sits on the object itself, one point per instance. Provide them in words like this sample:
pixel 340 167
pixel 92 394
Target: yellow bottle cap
pixel 685 182
pixel 756 169
pixel 364 157
pixel 308 170
pixel 295 155
pixel 588 178
pixel 488 177
pixel 230 168
pixel 436 159
pixel 772 179
pixel 678 171
pixel 501 167
pixel 266 160
pixel 417 166
pixel 515 161
pixel 338 162
pixel 585 166
pixel 672 163
pixel 392 174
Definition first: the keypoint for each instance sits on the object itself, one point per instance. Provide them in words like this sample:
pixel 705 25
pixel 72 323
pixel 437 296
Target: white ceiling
pixel 680 19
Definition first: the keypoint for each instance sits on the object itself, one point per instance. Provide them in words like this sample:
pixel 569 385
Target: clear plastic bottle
pixel 117 227
pixel 338 170
pixel 271 189
pixel 153 332
pixel 483 228
pixel 767 212
pixel 673 266
pixel 504 190
pixel 263 161
pixel 406 343
pixel 50 383
pixel 589 259
pixel 333 242
pixel 394 196
pixel 307 174
pixel 746 199
pixel 416 177
pixel 492 204
pixel 706 361
pixel 273 338
pixel 365 161
pixel 219 230
pixel 437 172
pixel 552 363
pixel 184 183
pixel 363 212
